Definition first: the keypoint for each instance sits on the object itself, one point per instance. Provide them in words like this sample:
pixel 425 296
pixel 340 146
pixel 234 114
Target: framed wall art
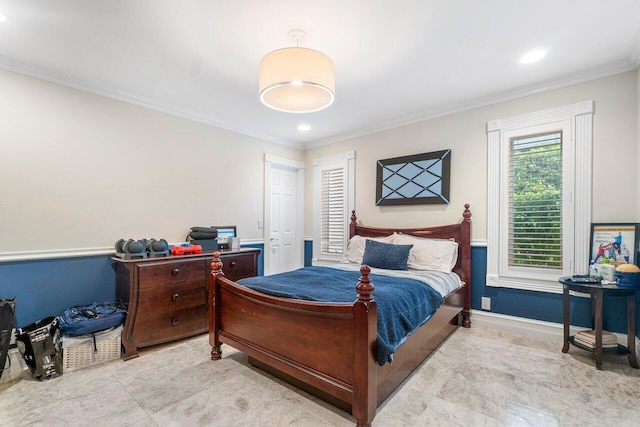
pixel 414 180
pixel 617 242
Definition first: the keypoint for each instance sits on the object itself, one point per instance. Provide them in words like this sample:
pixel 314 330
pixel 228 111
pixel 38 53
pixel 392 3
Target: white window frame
pixel 347 162
pixel 576 123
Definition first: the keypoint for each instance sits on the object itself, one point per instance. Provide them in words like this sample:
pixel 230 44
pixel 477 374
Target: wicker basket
pixel 79 352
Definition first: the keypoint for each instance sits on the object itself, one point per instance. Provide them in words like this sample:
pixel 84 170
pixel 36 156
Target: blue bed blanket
pixel 403 304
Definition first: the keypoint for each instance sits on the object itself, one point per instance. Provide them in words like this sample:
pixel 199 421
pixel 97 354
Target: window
pixel 535 201
pixel 332 210
pixel 539 204
pixel 333 202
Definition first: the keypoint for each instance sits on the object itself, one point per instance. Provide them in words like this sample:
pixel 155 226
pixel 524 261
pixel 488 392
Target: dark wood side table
pixel 597 292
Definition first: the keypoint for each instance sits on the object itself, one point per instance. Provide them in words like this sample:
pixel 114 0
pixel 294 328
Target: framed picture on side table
pixel 224 232
pixel 617 242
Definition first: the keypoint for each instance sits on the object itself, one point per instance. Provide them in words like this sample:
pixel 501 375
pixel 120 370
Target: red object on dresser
pixel 186 250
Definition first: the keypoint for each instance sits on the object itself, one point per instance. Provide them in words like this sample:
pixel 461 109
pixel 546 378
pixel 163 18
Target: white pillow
pixel 429 254
pixel 355 249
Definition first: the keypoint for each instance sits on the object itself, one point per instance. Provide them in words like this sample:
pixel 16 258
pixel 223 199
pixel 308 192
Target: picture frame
pixel 619 242
pixel 415 179
pixel 224 232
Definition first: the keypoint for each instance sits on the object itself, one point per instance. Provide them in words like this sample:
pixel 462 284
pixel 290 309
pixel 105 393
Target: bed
pixel 330 349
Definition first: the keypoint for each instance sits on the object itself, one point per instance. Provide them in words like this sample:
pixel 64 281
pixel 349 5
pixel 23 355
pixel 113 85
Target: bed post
pixel 352 224
pixel 365 381
pixel 466 264
pixel 214 312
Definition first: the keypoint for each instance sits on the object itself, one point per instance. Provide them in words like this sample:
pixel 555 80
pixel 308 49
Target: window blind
pixel 332 213
pixel 535 201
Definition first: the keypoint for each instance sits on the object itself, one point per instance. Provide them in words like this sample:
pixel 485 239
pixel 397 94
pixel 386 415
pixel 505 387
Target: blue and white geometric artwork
pixel 411 180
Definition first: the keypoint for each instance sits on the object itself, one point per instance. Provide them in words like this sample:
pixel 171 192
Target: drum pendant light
pixel 296 79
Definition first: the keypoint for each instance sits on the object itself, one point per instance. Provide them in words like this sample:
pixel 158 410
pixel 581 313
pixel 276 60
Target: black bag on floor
pixel 36 346
pixel 7 313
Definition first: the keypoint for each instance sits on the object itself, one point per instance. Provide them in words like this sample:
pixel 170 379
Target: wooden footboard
pixel 329 349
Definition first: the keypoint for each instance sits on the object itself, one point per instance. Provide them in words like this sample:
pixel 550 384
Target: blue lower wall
pixel 260 257
pixel 45 288
pixel 48 287
pixel 541 305
pixel 308 253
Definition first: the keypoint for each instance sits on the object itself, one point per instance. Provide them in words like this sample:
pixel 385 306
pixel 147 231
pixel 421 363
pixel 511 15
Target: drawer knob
pixel 175 271
pixel 174 322
pixel 232 264
pixel 175 296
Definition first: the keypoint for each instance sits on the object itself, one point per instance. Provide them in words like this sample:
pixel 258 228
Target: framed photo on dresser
pixel 224 232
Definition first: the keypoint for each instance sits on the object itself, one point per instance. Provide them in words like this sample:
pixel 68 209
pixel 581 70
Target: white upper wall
pixel 81 171
pixel 615 181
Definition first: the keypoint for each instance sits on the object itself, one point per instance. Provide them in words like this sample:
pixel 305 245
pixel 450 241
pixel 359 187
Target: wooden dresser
pixel 166 297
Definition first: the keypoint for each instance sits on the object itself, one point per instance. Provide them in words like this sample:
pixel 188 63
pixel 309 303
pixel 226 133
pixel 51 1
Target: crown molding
pixel 611 69
pixel 42 73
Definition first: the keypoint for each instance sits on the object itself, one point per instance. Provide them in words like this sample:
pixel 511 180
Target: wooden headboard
pixel 460 232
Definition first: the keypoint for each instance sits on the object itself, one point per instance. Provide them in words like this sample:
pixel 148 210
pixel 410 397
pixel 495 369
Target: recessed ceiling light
pixel 304 128
pixel 533 56
pixel 3 17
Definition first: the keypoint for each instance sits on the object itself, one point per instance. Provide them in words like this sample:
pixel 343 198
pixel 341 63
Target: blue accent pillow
pixel 385 255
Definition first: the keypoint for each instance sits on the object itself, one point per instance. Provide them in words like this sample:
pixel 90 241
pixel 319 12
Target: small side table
pixel 597 292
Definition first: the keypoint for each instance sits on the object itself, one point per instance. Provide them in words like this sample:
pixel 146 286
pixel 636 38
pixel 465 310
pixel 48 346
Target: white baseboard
pixel 535 329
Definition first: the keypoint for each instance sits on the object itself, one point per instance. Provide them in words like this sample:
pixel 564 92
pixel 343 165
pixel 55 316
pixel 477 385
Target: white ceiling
pixel 396 61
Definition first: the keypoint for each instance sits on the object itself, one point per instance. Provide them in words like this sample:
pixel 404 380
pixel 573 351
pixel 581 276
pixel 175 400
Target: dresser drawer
pixel 238 266
pixel 154 274
pixel 170 325
pixel 170 297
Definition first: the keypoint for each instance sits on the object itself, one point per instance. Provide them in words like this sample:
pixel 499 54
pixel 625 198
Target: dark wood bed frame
pixel 328 349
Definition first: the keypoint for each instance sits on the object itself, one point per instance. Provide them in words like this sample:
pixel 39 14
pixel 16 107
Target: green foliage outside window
pixel 535 207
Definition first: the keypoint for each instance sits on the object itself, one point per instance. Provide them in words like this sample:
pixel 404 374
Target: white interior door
pixel 282 225
pixel 283 214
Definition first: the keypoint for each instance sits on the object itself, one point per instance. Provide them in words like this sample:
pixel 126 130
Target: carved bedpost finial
pixel 216 264
pixel 467 213
pixel 364 286
pixel 353 224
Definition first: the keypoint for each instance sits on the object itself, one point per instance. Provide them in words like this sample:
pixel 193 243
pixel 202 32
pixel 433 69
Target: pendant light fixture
pixel 297 79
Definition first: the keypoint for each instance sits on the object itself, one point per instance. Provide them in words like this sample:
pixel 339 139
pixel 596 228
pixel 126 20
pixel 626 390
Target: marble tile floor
pixel 478 377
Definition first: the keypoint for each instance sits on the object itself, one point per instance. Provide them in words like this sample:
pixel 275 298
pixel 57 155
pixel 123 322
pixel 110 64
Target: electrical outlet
pixel 260 224
pixel 486 303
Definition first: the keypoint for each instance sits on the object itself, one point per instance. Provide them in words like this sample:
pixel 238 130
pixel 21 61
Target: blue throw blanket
pixel 403 304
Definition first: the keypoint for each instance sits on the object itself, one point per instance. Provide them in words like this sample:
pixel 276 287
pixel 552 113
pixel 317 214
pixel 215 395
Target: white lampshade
pixel 297 80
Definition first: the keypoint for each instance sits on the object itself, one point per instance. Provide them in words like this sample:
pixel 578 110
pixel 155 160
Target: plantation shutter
pixel 332 232
pixel 535 201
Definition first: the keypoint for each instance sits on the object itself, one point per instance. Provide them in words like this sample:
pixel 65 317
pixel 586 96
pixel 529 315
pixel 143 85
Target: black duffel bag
pixel 203 233
pixel 36 346
pixel 7 313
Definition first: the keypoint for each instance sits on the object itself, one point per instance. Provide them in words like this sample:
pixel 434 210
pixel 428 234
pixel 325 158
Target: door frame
pixel 271 161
